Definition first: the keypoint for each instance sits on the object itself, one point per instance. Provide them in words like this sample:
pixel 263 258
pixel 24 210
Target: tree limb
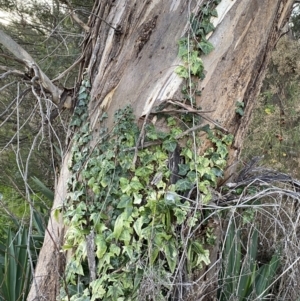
pixel 22 55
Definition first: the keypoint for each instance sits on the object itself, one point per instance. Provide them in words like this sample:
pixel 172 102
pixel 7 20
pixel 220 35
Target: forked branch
pixel 23 56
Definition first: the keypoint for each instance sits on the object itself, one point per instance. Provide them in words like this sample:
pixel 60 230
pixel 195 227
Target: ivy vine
pixel 140 219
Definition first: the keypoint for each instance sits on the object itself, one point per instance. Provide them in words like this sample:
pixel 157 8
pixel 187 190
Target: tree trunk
pixel 133 63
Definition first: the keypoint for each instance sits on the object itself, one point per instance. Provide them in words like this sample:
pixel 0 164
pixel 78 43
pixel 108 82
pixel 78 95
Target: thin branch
pixel 115 28
pixel 21 96
pixel 12 58
pixel 75 17
pixel 69 69
pixel 9 72
pixel 192 110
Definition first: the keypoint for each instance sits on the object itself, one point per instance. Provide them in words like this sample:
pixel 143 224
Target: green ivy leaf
pixel 82 89
pixel 206 11
pixel 206 47
pixel 76 122
pixel 207 26
pixel 153 255
pixel 98 291
pixel 183 184
pixel 151 133
pixel 202 254
pixel 137 198
pixel 183 47
pixel 203 186
pixel 86 83
pixel 129 251
pixel 171 122
pixel 171 253
pixel 182 72
pixel 135 184
pixel 83 96
pixel 183 169
pixel 196 64
pixel 91 182
pixel 214 13
pixel 217 172
pixel 228 139
pixel 138 278
pixel 240 104
pixel 137 226
pixel 239 111
pixel 105 181
pixel 170 145
pixel 125 201
pixel 75 196
pixel 192 176
pixel 144 171
pixel 187 153
pixel 57 212
pixel 180 215
pixel 76 166
pixel 114 249
pixel 119 224
pixel 96 189
pixel 124 185
pixel 126 236
pixel 101 246
pixel 103 116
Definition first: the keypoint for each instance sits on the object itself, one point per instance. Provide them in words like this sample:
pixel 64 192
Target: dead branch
pixel 21 96
pixel 75 17
pixel 190 109
pixel 12 58
pixel 265 181
pixel 69 69
pixel 9 72
pixel 22 55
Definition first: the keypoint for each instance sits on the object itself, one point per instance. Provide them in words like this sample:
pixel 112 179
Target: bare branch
pixel 69 69
pixel 21 54
pixel 10 72
pixel 75 17
pixel 12 58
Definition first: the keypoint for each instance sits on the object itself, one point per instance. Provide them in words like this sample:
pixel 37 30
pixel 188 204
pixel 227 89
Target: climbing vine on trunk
pixel 134 204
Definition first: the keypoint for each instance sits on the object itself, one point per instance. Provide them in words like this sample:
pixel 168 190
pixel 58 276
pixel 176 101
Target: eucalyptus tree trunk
pixel 130 54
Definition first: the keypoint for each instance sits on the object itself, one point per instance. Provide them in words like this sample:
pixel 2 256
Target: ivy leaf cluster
pixel 191 49
pixel 135 211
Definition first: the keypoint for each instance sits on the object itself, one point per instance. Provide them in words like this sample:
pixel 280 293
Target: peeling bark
pixel 236 68
pixel 131 59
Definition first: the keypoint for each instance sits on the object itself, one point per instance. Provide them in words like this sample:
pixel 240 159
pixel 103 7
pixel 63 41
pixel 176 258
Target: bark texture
pixel 133 63
pixel 235 69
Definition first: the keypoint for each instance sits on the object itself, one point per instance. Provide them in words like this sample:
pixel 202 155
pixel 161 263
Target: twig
pixel 116 29
pixel 192 110
pixel 68 69
pixel 147 144
pixel 192 129
pixel 75 17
